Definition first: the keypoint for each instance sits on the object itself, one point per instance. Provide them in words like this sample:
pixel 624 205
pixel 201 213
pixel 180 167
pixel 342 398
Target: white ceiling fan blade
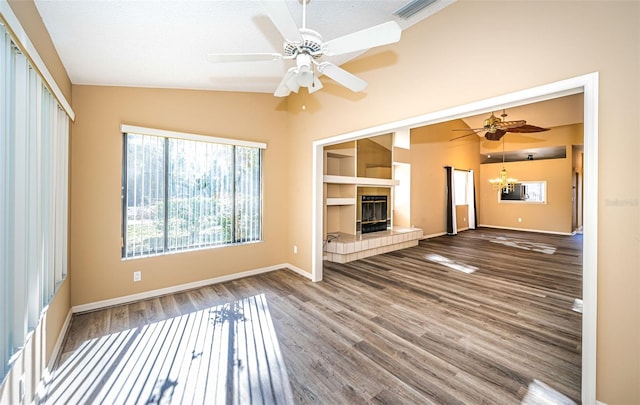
pixel 288 83
pixel 242 57
pixel 317 85
pixel 382 34
pixel 282 19
pixel 348 80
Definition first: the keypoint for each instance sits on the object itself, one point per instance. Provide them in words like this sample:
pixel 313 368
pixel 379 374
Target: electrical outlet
pixel 295 249
pixel 137 276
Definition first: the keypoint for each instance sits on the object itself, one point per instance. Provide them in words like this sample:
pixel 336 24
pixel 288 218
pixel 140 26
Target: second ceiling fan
pixel 496 127
pixel 307 47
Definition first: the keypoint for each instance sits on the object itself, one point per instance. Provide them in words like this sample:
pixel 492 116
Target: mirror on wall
pixel 525 192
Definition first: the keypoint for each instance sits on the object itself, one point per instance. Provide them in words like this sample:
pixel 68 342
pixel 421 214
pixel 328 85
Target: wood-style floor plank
pixel 484 317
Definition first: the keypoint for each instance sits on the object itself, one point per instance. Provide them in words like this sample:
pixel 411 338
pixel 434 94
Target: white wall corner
pixel 299 271
pixel 40 391
pixel 60 341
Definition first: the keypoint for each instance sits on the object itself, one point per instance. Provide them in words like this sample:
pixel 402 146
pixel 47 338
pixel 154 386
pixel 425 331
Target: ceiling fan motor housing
pixel 490 122
pixel 311 44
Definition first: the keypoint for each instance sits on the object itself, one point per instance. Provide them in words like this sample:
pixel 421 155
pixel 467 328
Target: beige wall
pixel 448 61
pixel 431 150
pixel 556 214
pixel 98 271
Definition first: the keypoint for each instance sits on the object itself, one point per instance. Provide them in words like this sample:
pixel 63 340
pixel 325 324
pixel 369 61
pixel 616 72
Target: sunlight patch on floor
pixel 525 244
pixel 452 264
pixel 577 305
pixel 223 354
pixel 540 393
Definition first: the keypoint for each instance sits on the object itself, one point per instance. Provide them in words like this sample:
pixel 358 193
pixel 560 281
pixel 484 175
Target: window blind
pixel 34 145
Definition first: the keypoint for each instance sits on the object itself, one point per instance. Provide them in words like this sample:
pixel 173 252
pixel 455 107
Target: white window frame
pixel 164 134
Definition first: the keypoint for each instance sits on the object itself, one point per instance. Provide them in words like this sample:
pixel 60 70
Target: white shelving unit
pixel 340 201
pixel 342 186
pixel 353 170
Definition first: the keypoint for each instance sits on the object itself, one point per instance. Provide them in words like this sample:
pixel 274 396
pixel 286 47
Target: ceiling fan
pixel 306 47
pixel 496 127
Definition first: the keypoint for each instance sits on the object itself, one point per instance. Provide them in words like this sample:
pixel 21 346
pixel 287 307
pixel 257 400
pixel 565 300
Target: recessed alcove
pixel 359 191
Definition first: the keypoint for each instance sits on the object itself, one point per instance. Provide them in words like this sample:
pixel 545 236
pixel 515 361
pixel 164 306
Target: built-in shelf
pixel 360 181
pixel 351 169
pixel 341 201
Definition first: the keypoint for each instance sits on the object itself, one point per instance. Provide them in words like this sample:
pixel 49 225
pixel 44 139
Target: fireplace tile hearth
pixel 343 248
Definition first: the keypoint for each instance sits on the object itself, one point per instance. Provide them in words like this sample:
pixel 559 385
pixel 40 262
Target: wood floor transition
pixel 484 317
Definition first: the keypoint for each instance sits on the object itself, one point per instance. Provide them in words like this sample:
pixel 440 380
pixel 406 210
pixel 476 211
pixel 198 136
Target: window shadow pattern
pixel 227 354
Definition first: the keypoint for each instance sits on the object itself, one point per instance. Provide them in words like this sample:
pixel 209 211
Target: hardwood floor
pixel 485 317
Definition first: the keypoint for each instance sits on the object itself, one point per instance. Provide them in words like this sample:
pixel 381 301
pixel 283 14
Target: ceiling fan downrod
pixel 304 12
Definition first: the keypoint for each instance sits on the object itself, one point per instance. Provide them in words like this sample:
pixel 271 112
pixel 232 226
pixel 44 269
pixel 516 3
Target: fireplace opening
pixel 374 213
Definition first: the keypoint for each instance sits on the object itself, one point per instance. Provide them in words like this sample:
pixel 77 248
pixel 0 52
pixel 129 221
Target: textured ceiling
pixel 164 43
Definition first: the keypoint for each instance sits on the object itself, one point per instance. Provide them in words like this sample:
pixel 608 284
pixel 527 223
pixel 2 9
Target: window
pixel 34 148
pixel 461 185
pixel 182 194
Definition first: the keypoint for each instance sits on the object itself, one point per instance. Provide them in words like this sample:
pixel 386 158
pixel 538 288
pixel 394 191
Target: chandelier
pixel 504 183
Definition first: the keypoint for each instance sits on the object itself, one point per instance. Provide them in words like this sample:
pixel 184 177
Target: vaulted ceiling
pixel 164 43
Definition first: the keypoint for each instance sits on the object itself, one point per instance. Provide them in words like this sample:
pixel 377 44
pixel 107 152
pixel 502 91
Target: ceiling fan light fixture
pixel 305 77
pixel 305 70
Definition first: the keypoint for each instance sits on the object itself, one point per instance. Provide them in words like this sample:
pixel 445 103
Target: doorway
pixel 587 84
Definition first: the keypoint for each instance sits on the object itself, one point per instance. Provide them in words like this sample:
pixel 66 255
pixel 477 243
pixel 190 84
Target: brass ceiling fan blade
pixel 463 136
pixel 509 124
pixel 470 129
pixel 527 129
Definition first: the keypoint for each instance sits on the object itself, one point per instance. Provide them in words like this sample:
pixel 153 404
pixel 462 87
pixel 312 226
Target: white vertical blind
pixel 5 162
pixel 33 199
pixel 19 194
pixel 181 194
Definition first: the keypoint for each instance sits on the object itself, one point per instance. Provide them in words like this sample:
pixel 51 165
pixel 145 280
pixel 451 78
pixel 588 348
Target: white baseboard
pixel 46 373
pixel 600 403
pixel 525 230
pixel 183 287
pixel 298 270
pixel 60 340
